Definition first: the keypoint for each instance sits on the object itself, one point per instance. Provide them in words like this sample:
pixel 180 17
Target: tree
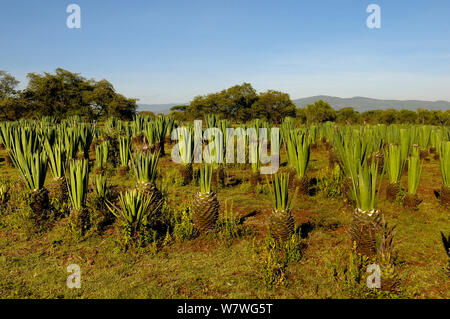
pixel 273 106
pixel 440 118
pixel 65 93
pixel 236 102
pixel 8 96
pixel 59 94
pixel 407 116
pixel 371 117
pixel 347 115
pixel 180 113
pixel 233 103
pixel 423 116
pixel 389 116
pixel 300 115
pixel 100 97
pixel 320 112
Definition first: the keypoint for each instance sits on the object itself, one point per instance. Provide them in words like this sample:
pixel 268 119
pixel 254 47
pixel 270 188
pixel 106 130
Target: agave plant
pixel 364 178
pixel 444 159
pixel 281 222
pixel 33 169
pixel 145 168
pixel 57 162
pixel 86 135
pixel 71 141
pixel 205 207
pixel 395 164
pixel 23 140
pixel 100 186
pixel 424 139
pixel 133 212
pixel 101 157
pixel 161 126
pixel 78 187
pixel 150 133
pixel 299 151
pixel 6 134
pixel 415 165
pixel 125 154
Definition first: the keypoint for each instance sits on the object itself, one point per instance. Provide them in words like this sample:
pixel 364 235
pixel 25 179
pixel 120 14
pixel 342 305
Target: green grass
pixel 34 266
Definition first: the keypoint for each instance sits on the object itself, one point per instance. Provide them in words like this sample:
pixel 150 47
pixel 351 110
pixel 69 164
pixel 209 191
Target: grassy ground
pixel 34 265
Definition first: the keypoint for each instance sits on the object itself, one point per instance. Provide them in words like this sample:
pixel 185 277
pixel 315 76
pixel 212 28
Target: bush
pixel 183 226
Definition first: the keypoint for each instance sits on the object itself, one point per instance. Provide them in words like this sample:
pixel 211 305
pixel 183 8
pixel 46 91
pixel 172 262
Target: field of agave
pixel 109 197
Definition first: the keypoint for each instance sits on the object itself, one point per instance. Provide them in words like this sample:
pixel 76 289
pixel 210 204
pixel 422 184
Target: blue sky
pixel 164 51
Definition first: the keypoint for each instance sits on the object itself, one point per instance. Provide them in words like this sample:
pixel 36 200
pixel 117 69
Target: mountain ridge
pixel 363 104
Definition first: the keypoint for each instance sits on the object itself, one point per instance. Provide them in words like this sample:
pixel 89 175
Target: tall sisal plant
pixel 299 151
pixel 395 164
pixel 124 153
pixel 415 165
pixel 133 213
pixel 57 163
pixel 281 222
pixel 364 178
pixel 205 206
pixel 78 187
pixel 145 168
pixel 32 166
pixel 101 157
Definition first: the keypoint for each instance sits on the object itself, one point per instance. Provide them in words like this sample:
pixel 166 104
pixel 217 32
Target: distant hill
pixel 157 108
pixel 358 103
pixel 362 104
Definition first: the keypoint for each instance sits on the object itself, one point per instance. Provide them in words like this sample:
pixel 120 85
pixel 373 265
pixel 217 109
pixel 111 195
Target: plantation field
pixel 236 259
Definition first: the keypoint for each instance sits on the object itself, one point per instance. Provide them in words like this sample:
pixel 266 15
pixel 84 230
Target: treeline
pixel 321 111
pixel 242 103
pixel 64 94
pixel 61 95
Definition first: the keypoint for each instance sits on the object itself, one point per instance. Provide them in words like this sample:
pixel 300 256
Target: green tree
pixel 407 116
pixel 423 116
pixel 389 116
pixel 440 118
pixel 180 113
pixel 371 117
pixel 9 106
pixel 320 112
pixel 65 93
pixel 58 94
pixel 300 115
pixel 233 103
pixel 273 106
pixel 347 115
